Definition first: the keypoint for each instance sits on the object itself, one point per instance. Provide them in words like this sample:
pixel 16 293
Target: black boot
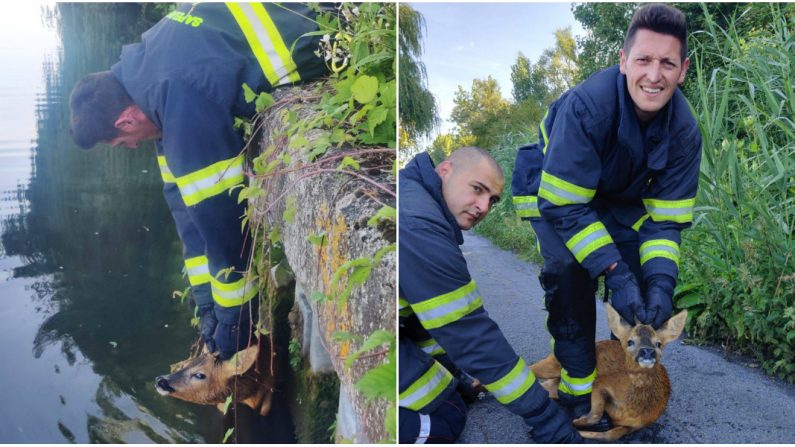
pixel 578 406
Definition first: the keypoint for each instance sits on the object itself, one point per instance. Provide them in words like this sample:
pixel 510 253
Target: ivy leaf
pixel 264 100
pixel 376 117
pixel 316 239
pixel 318 296
pixel 275 235
pixel 348 161
pixel 227 403
pixel 248 93
pixel 390 422
pixel 382 251
pixel 386 212
pixel 364 89
pixel 228 434
pixel 379 382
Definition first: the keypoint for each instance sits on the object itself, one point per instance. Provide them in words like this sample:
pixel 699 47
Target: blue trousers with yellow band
pixel 442 426
pixel 569 297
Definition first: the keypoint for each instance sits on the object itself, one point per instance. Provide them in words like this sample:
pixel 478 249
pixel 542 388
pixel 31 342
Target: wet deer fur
pixel 631 384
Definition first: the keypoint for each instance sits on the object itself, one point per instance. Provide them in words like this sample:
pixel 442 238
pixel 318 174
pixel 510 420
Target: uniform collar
pixel 655 146
pixel 421 169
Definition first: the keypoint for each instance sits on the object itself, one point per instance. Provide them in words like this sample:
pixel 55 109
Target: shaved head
pixel 468 156
pixel 472 182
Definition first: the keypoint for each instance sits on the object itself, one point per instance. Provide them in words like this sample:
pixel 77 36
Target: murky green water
pixel 88 253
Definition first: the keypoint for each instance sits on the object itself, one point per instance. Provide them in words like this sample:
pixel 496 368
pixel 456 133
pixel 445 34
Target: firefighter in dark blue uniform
pixel 609 188
pixel 441 312
pixel 182 86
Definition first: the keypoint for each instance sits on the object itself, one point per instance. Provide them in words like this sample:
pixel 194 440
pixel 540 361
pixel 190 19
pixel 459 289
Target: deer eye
pixel 630 343
pixel 199 376
pixel 659 345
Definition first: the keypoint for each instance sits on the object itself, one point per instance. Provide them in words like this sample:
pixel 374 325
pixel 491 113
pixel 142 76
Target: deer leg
pixel 610 435
pixel 551 386
pixel 597 410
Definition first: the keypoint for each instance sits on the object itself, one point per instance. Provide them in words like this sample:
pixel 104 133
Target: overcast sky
pixel 466 41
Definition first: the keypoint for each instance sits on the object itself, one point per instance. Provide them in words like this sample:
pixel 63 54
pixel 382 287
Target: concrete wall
pixel 338 205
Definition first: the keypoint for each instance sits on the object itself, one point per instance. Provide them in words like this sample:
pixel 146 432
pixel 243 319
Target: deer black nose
pixel 162 383
pixel 646 354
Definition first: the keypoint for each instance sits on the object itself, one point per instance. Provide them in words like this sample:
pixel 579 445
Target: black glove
pixel 551 425
pixel 626 299
pixel 659 299
pixel 207 326
pixel 234 328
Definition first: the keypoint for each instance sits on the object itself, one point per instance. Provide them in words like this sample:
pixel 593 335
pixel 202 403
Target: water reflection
pixel 90 258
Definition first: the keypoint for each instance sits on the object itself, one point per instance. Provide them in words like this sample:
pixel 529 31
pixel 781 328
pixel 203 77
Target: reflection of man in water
pixel 182 87
pixel 441 314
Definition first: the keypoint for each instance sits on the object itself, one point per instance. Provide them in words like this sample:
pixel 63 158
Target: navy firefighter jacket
pixel 600 178
pixel 186 75
pixel 441 308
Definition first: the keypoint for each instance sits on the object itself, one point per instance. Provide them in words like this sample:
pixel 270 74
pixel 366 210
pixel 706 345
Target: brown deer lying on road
pixel 631 384
pixel 207 380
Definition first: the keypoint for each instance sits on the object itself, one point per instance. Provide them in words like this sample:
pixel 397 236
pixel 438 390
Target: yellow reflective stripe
pixel 514 384
pixel 427 388
pixel 576 386
pixel 444 309
pixel 561 192
pixel 431 347
pixel 233 294
pixel 198 270
pixel 526 206
pixel 588 240
pixel 266 43
pixel 636 226
pixel 210 181
pixel 165 173
pixel 404 308
pixel 659 248
pixel 544 133
pixel 679 211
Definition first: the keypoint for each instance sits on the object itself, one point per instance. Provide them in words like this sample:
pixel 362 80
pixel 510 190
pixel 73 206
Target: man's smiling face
pixel 654 68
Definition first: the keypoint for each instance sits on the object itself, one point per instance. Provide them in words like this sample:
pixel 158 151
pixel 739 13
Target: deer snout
pixel 647 357
pixel 162 386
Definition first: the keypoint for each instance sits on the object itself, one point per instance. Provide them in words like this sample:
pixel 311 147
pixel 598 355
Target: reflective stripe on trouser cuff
pixel 430 347
pixel 526 206
pixel 679 211
pixel 210 181
pixel 636 226
pixel 425 429
pixel 575 386
pixel 165 173
pixel 427 388
pixel 444 309
pixel 561 192
pixel 659 248
pixel 588 240
pixel 404 308
pixel 266 43
pixel 514 384
pixel 233 294
pixel 198 270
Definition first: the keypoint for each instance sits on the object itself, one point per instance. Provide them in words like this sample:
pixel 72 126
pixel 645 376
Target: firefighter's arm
pixel 569 178
pixel 202 150
pixel 669 202
pixel 436 284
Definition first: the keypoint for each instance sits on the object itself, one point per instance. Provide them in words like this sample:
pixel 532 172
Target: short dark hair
pixel 660 18
pixel 97 101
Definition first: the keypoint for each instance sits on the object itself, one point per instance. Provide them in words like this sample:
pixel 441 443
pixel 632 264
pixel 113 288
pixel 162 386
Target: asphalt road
pixel 714 400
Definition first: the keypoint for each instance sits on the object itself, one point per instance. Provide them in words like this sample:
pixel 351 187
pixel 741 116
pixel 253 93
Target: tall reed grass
pixel 738 268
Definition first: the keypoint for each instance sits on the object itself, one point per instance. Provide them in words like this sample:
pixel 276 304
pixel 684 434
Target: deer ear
pixel 617 324
pixel 241 361
pixel 671 329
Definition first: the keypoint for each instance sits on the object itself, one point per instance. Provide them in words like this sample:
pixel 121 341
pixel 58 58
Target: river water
pixel 89 256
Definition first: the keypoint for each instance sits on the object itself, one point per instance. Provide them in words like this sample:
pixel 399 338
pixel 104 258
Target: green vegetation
pixel 737 275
